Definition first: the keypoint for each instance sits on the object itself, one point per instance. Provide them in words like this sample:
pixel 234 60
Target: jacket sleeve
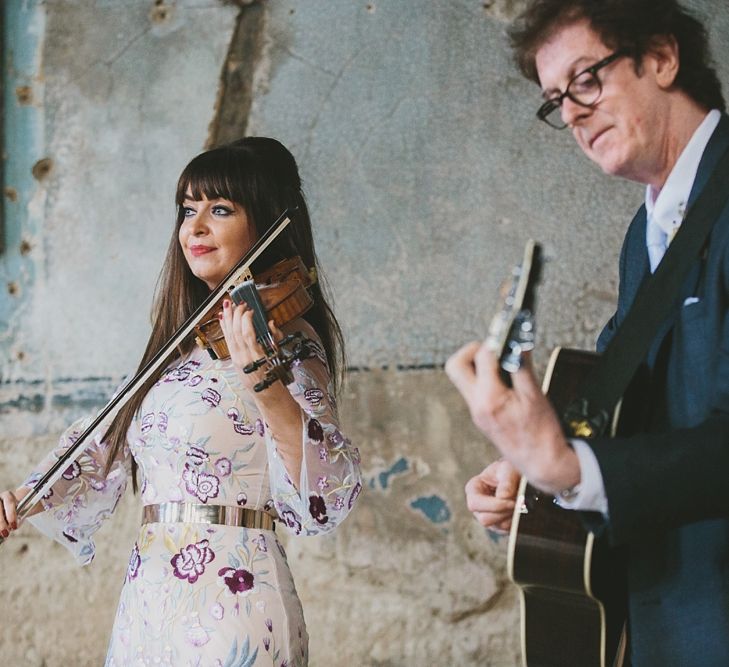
pixel 330 475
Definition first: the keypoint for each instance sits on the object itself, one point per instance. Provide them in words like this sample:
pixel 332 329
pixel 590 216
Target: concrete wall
pixel 426 171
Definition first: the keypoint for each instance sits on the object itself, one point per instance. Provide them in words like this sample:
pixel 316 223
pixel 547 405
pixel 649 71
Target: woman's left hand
pixel 240 336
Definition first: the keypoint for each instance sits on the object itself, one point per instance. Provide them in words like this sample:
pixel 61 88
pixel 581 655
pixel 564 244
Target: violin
pixel 280 294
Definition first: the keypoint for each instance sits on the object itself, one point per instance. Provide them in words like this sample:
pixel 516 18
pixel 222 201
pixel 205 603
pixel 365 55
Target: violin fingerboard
pixel 247 293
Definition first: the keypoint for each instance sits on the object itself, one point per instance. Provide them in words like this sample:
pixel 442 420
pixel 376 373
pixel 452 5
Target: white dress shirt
pixel 665 210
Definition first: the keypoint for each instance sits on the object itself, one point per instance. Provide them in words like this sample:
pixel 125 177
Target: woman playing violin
pixel 208 582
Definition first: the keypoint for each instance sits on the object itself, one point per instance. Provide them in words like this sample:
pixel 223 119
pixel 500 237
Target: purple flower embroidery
pixel 191 561
pixel 338 502
pixel 269 624
pixel 322 483
pixel 134 562
pixel 72 472
pixel 181 373
pixel 211 397
pixel 189 475
pixel 289 518
pixel 223 466
pixel 259 427
pixel 97 484
pixel 323 454
pixel 217 611
pixel 315 431
pixel 196 455
pixel 197 635
pixel 314 396
pixel 162 423
pixel 267 643
pixel 203 485
pixel 242 499
pixel 234 414
pixel 147 422
pixel 195 380
pixel 260 541
pixel 336 439
pixel 318 509
pixel 237 581
pixel 243 428
pixel 355 492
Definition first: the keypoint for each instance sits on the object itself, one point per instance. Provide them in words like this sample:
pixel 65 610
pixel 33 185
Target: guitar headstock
pixel 511 332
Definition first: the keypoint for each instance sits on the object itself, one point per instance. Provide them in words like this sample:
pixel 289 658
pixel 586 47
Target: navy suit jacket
pixel 667 485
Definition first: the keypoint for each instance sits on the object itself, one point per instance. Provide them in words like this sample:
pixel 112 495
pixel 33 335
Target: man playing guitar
pixel 631 79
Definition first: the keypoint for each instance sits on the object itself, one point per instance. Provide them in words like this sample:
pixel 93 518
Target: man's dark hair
pixel 631 26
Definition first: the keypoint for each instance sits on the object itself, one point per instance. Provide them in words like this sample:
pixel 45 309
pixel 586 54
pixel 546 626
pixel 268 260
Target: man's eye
pixel 585 83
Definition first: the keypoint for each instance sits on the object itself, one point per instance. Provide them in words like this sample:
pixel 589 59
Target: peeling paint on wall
pixel 397 468
pixel 24 25
pixel 433 507
pixel 235 94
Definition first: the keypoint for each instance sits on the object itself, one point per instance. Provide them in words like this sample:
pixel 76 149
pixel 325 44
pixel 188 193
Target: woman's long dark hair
pixel 260 175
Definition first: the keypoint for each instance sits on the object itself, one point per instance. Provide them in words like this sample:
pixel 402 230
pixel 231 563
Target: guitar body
pixel 573 594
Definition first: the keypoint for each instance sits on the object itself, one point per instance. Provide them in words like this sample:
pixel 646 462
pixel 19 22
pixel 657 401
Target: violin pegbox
pixel 279 355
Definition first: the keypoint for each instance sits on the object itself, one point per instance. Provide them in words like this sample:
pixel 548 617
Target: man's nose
pixel 573 112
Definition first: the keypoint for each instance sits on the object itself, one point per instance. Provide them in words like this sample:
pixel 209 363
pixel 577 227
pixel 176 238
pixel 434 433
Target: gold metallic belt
pixel 196 513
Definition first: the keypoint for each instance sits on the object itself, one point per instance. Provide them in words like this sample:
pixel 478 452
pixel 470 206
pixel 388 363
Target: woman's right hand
pixel 8 510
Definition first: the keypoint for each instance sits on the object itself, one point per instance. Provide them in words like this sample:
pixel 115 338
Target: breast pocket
pixel 692 368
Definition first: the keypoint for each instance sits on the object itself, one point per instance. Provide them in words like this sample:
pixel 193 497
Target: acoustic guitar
pixel 572 585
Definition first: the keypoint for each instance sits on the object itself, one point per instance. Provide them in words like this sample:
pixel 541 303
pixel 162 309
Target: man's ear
pixel 662 59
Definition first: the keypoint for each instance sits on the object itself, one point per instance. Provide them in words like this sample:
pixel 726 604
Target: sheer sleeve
pixel 77 504
pixel 330 476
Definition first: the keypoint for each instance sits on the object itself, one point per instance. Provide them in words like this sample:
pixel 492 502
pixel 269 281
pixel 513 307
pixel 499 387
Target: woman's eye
pixel 221 210
pixel 188 212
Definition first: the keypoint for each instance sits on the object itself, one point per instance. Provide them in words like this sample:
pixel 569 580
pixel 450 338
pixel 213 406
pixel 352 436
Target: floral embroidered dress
pixel 206 594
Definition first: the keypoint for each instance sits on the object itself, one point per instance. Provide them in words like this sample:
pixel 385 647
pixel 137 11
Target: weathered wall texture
pixel 426 171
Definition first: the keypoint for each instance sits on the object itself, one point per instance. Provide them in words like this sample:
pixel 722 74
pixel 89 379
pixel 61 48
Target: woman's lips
pixel 197 250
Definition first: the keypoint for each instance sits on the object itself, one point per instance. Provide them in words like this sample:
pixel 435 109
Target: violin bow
pixel 240 272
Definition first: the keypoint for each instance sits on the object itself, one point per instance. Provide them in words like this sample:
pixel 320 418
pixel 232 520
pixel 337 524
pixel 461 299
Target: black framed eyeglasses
pixel 583 88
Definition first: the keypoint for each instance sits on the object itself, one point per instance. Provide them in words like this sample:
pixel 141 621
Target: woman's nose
pixel 197 224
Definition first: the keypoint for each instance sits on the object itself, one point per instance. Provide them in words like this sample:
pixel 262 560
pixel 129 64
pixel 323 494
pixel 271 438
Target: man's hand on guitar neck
pixel 519 420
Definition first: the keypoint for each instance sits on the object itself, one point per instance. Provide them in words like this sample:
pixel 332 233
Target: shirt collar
pixel 666 211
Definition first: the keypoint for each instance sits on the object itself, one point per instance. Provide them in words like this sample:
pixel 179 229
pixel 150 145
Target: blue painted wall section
pixel 24 145
pixel 434 507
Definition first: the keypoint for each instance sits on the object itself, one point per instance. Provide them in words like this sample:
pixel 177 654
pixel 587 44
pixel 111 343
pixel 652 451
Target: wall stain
pixel 42 168
pixel 24 94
